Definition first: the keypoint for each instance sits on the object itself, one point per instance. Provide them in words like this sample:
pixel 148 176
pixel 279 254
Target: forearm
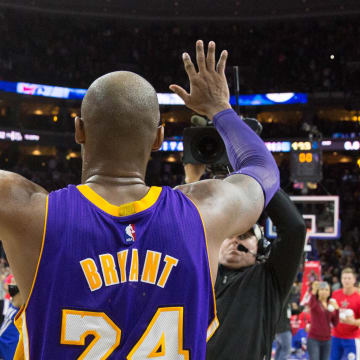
pixel 247 153
pixel 286 253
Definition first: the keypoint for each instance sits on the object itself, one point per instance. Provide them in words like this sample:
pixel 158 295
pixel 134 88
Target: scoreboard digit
pixel 305 165
pixel 305 157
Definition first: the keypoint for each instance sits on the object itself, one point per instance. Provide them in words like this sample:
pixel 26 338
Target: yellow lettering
pixel 108 269
pixel 122 259
pixel 134 268
pixel 91 274
pixel 151 267
pixel 170 263
pixel 159 349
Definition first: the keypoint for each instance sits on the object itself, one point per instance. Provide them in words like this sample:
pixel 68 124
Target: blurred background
pixel 299 71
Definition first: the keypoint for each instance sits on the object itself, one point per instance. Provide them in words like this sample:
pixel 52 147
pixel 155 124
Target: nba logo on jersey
pixel 130 233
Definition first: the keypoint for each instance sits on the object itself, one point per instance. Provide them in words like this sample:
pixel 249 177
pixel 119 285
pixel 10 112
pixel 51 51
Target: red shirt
pixel 321 320
pixel 295 324
pixel 299 321
pixel 345 302
pixel 8 281
pixel 305 319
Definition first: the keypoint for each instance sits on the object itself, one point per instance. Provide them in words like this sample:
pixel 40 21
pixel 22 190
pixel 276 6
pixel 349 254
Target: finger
pixel 210 59
pixel 189 66
pixel 181 92
pixel 200 56
pixel 220 68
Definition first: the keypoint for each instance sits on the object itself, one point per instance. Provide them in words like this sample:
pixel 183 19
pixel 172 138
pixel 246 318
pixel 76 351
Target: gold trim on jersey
pixel 123 210
pixel 22 349
pixel 215 322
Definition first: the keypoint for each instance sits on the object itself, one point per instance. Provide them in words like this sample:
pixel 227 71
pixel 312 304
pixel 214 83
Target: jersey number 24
pixel 162 339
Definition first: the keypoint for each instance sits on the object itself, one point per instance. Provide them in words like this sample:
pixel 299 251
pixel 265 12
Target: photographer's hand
pixel 193 172
pixel 209 91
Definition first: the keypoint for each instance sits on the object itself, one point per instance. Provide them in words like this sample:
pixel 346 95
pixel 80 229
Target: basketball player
pixel 113 269
pixel 345 341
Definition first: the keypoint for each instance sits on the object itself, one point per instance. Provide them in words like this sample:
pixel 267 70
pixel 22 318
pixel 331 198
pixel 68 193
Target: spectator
pixel 300 325
pixel 345 335
pixel 335 284
pixel 324 313
pixel 9 335
pixel 289 61
pixel 283 335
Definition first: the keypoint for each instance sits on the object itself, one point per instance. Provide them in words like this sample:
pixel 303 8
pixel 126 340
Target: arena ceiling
pixel 192 9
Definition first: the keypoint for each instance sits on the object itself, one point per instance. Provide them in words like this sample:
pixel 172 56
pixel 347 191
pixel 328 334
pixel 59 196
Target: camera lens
pixel 207 148
pixel 203 145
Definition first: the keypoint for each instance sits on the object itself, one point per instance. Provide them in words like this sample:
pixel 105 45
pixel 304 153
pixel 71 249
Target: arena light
pixel 49 91
pixel 172 146
pixel 280 97
pixel 345 159
pixel 171 159
pixel 36 152
pixel 72 155
pixel 352 145
pixel 31 137
pixel 278 146
pixel 11 135
pixel 270 99
pixel 163 98
pixel 17 136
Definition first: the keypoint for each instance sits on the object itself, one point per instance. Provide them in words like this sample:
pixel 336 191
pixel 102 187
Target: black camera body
pixel 204 145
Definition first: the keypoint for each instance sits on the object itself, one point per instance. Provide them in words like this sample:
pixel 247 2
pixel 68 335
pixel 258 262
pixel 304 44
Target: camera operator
pixel 251 290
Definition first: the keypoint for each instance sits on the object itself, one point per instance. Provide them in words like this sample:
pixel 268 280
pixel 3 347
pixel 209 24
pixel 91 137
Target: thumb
pixel 178 90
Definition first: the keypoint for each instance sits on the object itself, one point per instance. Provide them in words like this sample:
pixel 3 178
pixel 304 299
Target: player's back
pixel 120 282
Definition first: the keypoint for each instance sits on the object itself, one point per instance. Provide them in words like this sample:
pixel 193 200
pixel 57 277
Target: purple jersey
pixel 119 282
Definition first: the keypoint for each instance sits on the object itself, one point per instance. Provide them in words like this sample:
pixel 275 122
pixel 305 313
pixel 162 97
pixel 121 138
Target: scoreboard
pixel 305 162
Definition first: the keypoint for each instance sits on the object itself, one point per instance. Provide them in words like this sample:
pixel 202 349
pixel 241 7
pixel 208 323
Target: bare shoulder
pixel 12 181
pixel 21 200
pixel 229 207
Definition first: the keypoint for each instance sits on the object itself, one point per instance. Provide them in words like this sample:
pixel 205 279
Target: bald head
pixel 120 111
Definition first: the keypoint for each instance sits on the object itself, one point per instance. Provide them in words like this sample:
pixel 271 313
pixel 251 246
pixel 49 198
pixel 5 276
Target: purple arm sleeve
pixel 247 153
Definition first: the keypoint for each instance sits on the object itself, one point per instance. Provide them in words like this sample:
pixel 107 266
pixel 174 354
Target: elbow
pixel 272 184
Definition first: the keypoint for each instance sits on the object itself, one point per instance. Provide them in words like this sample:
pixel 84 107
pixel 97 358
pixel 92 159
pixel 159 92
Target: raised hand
pixel 209 90
pixel 334 303
pixel 315 287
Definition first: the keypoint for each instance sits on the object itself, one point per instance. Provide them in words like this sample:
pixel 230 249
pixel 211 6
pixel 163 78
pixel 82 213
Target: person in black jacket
pixel 283 335
pixel 250 294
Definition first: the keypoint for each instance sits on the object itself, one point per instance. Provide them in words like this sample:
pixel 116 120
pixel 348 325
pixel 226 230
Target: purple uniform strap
pixel 247 153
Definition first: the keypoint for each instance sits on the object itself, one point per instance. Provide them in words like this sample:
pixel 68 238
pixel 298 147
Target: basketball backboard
pixel 321 215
